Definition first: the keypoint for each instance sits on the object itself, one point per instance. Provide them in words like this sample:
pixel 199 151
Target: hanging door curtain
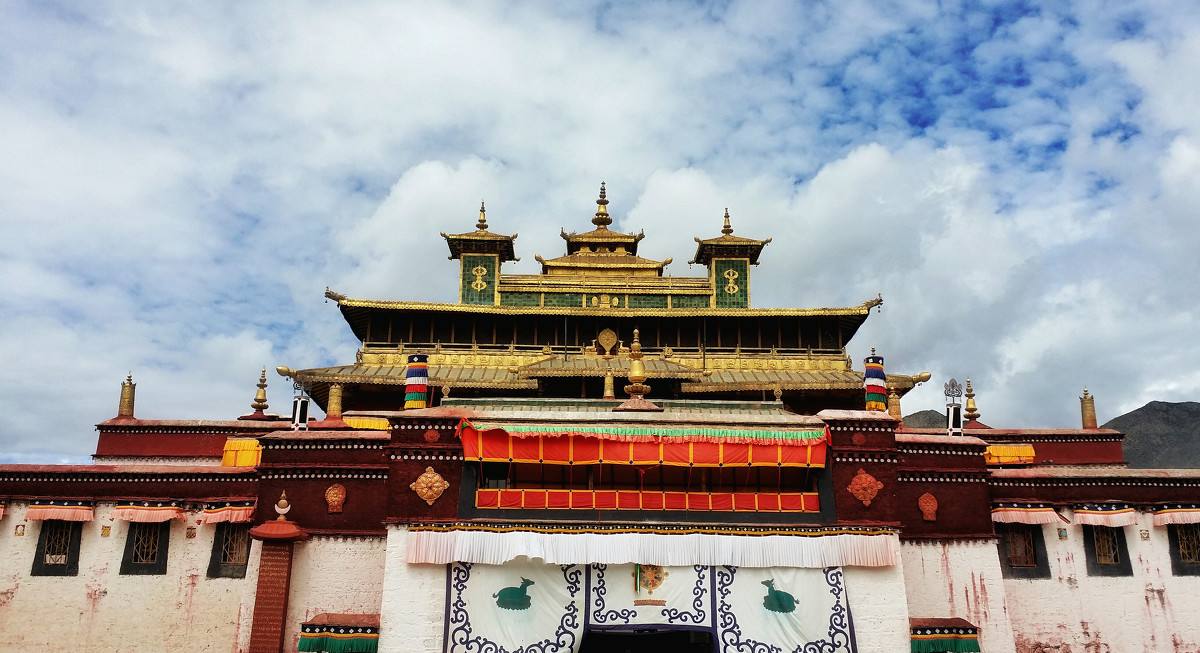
pixel 559 444
pixel 1177 513
pixel 148 511
pixel 1113 515
pixel 60 509
pixel 648 500
pixel 2 506
pixel 1025 513
pixel 661 545
pixel 216 512
pixel 340 633
pixel 529 606
pixel 945 639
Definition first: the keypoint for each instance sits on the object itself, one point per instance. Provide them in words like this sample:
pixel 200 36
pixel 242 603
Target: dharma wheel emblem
pixel 731 286
pixel 478 285
pixel 864 487
pixel 429 486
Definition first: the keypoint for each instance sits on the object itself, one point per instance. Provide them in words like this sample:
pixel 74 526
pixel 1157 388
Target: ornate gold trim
pixel 862 310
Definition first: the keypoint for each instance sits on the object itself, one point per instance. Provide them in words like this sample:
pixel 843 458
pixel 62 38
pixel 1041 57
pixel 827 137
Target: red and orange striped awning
pixel 581 447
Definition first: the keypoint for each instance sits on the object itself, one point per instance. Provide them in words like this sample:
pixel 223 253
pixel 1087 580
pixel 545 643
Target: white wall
pixel 334 574
pixel 414 601
pixel 959 579
pixel 101 610
pixel 1149 612
pixel 879 608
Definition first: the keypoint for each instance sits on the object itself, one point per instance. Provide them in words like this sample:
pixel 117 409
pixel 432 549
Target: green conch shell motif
pixel 514 598
pixel 778 600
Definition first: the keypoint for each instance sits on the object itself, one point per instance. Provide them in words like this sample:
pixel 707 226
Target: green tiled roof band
pixel 766 435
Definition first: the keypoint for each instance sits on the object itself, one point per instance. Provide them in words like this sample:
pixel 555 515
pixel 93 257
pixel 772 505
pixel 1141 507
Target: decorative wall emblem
pixel 731 286
pixel 105 531
pixel 514 598
pixel 431 435
pixel 335 497
pixel 778 600
pixel 864 487
pixel 607 339
pixel 478 285
pixel 429 486
pixel 19 530
pixel 858 439
pixel 649 578
pixel 928 504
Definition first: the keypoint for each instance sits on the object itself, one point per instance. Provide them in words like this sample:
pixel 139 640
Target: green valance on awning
pixel 323 634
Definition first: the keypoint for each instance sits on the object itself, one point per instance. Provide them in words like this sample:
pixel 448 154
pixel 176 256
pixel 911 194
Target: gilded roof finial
pixel 282 507
pixel 637 388
pixel 482 224
pixel 260 398
pixel 728 228
pixel 602 220
pixel 1087 406
pixel 128 388
pixel 972 412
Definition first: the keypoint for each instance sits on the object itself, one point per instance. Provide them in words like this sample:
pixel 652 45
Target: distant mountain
pixel 925 419
pixel 1161 434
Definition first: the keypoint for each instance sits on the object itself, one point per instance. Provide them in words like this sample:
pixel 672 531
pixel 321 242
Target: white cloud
pixel 178 185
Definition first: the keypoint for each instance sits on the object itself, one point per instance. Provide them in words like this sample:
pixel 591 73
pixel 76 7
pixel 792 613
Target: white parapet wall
pixel 414 601
pixel 1150 611
pixel 959 579
pixel 879 608
pixel 102 610
pixel 334 574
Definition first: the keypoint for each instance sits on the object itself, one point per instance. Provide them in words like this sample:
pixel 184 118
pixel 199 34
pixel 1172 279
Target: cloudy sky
pixel 178 184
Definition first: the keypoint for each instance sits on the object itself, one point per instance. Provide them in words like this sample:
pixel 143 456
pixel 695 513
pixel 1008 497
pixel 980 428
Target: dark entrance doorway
pixel 647 641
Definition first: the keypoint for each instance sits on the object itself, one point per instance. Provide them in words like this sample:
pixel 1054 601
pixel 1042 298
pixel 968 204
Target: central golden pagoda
pixel 561 332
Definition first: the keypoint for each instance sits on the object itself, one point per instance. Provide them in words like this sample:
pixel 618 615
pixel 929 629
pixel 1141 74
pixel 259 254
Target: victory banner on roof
pixel 530 607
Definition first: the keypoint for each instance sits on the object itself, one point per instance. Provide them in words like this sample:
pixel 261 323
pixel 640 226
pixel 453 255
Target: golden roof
pixel 457 376
pixel 597 366
pixel 728 244
pixel 727 380
pixel 481 241
pixel 602 238
pixel 344 302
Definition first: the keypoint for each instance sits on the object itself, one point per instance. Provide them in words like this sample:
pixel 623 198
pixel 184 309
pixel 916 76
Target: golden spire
pixel 1087 407
pixel 482 224
pixel 260 398
pixel 602 220
pixel 728 228
pixel 972 412
pixel 637 388
pixel 128 388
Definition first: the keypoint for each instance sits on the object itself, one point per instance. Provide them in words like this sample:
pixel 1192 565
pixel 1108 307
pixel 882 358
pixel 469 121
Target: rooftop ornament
pixel 637 388
pixel 954 416
pixel 601 219
pixel 972 412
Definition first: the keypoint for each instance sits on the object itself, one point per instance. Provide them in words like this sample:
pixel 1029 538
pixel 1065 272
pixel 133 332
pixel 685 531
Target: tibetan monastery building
pixel 599 457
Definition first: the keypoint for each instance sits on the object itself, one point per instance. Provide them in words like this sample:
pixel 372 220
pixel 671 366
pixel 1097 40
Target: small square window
pixel 231 551
pixel 1185 549
pixel 1022 551
pixel 57 552
pixel 1106 551
pixel 146 548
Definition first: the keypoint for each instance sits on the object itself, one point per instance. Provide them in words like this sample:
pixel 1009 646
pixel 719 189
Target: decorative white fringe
pixel 1177 517
pixel 1112 519
pixel 841 550
pixel 1047 516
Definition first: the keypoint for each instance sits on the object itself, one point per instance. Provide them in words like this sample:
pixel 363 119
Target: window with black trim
pixel 1022 551
pixel 230 552
pixel 146 548
pixel 1185 549
pixel 1106 552
pixel 57 552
